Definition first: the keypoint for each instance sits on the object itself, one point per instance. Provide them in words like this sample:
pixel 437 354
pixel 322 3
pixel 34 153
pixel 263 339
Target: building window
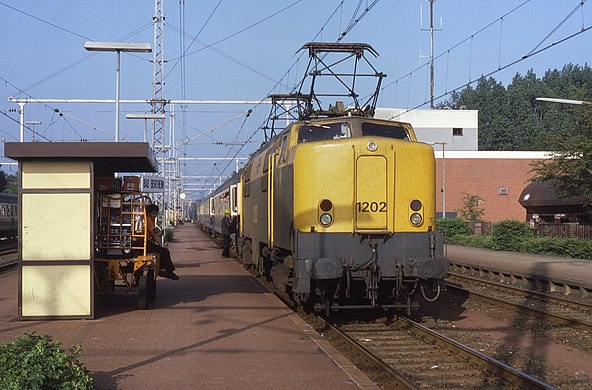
pixel 457 131
pixel 503 191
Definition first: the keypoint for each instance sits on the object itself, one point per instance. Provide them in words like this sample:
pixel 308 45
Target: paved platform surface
pixel 564 268
pixel 215 328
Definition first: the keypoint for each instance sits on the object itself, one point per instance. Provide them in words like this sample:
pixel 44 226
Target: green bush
pixel 510 235
pixel 567 247
pixel 452 227
pixel 514 236
pixel 39 362
pixel 472 240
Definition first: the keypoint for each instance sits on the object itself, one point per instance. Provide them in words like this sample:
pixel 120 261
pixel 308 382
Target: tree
pixel 524 111
pixel 570 169
pixel 3 180
pixel 510 118
pixel 471 210
pixel 12 185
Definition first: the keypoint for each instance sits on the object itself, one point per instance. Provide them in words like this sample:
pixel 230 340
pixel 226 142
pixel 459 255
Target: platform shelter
pixel 56 220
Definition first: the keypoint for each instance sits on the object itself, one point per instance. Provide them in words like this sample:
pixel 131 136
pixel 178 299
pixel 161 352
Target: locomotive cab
pixel 364 213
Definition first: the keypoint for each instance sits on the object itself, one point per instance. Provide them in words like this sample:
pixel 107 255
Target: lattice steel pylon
pixel 158 101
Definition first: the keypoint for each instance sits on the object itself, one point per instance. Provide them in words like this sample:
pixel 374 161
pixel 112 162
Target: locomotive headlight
pixel 326 219
pixel 326 205
pixel 415 205
pixel 415 219
pixel 372 146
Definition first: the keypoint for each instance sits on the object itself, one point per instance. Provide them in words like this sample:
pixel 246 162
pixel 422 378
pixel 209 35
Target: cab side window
pixel 284 149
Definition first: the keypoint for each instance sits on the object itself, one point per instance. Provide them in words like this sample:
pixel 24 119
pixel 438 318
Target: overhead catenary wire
pixel 349 18
pixel 352 24
pixel 458 44
pixel 207 46
pixel 500 67
pixel 45 21
pixel 84 59
pixel 484 76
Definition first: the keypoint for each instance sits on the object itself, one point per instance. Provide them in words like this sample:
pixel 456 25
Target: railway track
pixel 416 357
pixel 8 258
pixel 405 355
pixel 6 266
pixel 576 314
pixel 8 246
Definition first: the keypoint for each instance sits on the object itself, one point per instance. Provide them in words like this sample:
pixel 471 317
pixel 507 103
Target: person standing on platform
pixel 226 230
pixel 167 267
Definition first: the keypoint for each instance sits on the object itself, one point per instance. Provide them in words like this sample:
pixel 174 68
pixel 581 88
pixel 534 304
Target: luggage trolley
pixel 121 259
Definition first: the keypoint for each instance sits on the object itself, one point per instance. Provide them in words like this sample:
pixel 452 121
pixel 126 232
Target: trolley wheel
pixel 151 284
pixel 143 292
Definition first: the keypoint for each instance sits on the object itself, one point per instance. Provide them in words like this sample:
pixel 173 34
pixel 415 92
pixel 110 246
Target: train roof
pixel 106 156
pixel 235 178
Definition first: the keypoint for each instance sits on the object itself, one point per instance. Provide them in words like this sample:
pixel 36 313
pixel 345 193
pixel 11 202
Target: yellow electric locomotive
pixel 341 213
pixel 338 208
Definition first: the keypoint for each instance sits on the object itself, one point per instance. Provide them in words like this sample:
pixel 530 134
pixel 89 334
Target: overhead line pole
pixel 432 53
pixel 158 102
pixel 431 30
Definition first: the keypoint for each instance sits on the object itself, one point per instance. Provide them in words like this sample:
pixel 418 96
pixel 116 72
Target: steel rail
pixel 526 292
pixel 400 382
pixel 5 267
pixel 507 372
pixel 516 307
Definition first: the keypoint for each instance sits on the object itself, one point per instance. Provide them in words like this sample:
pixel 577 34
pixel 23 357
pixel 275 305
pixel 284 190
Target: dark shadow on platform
pixel 190 288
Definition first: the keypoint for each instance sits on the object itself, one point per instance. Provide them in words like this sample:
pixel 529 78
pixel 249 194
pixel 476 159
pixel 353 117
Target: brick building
pixel 497 177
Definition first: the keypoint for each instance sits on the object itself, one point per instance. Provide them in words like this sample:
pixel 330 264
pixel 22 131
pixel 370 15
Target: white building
pixel 459 129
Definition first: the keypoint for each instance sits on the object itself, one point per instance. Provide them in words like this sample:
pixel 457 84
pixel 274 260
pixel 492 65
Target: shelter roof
pixel 106 156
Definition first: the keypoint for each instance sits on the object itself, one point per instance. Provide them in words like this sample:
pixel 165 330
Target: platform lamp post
pixel 145 117
pixel 443 144
pixel 565 101
pixel 117 47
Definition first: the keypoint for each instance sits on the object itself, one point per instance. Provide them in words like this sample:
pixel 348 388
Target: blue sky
pixel 255 45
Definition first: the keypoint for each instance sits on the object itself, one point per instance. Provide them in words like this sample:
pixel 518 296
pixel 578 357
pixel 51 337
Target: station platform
pixel 549 267
pixel 215 328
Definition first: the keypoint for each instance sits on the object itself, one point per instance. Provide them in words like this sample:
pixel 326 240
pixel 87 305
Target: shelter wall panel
pixel 56 226
pixel 56 175
pixel 56 290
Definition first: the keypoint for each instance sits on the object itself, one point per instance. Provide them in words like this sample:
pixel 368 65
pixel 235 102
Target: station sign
pixel 152 184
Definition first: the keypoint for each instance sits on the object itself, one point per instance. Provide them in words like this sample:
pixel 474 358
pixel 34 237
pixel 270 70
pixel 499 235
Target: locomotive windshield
pixel 379 130
pixel 310 133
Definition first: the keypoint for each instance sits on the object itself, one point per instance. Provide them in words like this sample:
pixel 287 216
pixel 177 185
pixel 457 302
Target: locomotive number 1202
pixel 371 207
